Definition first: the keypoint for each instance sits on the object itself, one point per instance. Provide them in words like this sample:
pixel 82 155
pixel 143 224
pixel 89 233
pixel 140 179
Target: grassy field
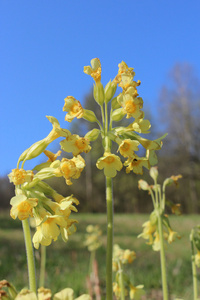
pixel 67 264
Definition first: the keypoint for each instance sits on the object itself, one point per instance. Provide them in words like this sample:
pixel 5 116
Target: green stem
pixel 92 258
pixel 109 250
pixel 30 255
pixel 194 271
pixel 162 258
pixel 42 266
pixel 121 281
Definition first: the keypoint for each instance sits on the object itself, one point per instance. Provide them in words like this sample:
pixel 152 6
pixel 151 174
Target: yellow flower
pixel 22 207
pixel 111 163
pixel 93 237
pixel 136 164
pixel 156 242
pixel 68 294
pixel 73 108
pixel 75 144
pixel 197 259
pixel 51 156
pixel 44 294
pixel 140 126
pixel 136 292
pixel 95 70
pixel 26 295
pixel 128 256
pixel 48 229
pixel 172 236
pixel 56 132
pixel 19 176
pixel 68 168
pixel 123 68
pixel 176 178
pixel 127 147
pixel 176 209
pixel 131 104
pixel 148 230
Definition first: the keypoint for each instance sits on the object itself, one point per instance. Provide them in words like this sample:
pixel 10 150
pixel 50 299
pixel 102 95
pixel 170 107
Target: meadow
pixel 67 263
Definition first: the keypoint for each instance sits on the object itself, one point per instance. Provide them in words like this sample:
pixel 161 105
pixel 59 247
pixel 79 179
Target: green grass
pixel 67 263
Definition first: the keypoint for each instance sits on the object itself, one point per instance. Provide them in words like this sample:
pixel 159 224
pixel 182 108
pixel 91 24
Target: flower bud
pixel 110 90
pixel 89 115
pixel 33 151
pixel 118 114
pixel 115 104
pixel 154 173
pixel 93 134
pixel 99 93
pixel 143 185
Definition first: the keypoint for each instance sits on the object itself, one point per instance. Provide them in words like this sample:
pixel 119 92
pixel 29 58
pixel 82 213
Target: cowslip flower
pixel 172 236
pixel 128 256
pixel 123 68
pixel 22 207
pixel 44 294
pixel 68 294
pixel 156 242
pixel 111 163
pixel 136 292
pixel 69 168
pixel 48 229
pixel 93 237
pixel 19 176
pixel 136 164
pixel 75 144
pixel 26 295
pixel 73 108
pixel 140 126
pixel 148 231
pixel 127 147
pixel 131 104
pixel 94 70
pixel 51 156
pixel 197 259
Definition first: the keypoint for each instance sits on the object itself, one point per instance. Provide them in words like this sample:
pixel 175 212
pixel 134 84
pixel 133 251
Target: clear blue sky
pixel 44 45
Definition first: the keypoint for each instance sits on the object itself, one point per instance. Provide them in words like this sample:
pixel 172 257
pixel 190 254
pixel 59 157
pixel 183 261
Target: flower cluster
pixel 128 104
pixel 150 228
pixel 93 237
pixel 122 283
pixel 7 291
pixel 38 200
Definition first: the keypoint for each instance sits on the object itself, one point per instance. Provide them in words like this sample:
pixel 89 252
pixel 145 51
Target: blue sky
pixel 46 43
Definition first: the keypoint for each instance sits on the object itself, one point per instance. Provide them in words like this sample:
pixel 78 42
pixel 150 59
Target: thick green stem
pixel 162 258
pixel 42 266
pixel 109 250
pixel 30 255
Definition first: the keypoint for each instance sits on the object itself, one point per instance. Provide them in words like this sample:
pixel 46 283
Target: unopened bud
pixel 143 185
pixel 118 114
pixel 99 93
pixel 110 90
pixel 154 173
pixel 115 104
pixel 89 115
pixel 93 134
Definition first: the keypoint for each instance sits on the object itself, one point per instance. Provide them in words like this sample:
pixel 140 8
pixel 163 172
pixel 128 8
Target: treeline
pixel 178 111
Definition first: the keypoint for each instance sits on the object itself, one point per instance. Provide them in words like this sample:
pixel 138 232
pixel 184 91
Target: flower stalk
pixel 109 249
pixel 42 266
pixel 29 255
pixel 162 259
pixel 194 267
